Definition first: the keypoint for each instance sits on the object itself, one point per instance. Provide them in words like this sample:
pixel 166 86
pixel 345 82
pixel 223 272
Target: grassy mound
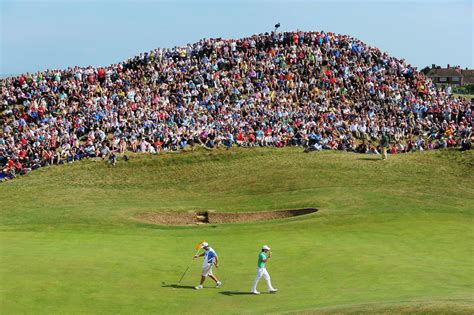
pixel 389 236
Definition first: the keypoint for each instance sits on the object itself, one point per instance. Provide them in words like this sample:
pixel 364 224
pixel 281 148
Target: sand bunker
pixel 209 217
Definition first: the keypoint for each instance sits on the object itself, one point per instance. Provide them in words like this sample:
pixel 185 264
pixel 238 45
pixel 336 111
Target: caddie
pixel 210 259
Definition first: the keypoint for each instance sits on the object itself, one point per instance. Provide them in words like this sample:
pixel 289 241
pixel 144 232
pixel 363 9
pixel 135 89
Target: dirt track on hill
pixel 208 217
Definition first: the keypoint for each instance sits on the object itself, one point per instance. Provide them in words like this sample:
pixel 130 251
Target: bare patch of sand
pixel 206 217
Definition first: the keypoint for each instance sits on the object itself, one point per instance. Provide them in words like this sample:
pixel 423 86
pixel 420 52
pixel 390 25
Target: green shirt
pixel 261 258
pixel 384 142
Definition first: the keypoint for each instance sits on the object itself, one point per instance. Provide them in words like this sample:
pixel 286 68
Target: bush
pixel 465 89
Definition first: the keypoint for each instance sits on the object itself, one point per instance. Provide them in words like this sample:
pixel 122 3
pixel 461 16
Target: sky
pixel 53 34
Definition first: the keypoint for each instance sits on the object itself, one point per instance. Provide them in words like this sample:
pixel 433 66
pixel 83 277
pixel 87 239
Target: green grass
pixel 390 236
pixel 466 96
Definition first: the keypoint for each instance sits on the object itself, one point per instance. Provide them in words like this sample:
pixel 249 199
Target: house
pixel 468 76
pixel 450 75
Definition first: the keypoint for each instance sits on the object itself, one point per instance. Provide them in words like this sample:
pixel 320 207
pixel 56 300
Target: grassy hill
pixel 389 236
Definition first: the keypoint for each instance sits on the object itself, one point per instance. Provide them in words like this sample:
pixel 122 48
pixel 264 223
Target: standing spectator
pixel 384 144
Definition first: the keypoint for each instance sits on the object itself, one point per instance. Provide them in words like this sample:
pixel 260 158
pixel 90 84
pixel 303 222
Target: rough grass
pixel 390 236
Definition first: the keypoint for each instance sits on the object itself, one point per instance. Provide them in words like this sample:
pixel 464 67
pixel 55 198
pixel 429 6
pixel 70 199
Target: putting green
pixel 389 237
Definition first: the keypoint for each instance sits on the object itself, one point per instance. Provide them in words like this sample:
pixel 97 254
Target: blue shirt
pixel 209 256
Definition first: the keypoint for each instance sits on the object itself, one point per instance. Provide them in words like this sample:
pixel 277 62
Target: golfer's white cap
pixel 265 247
pixel 204 244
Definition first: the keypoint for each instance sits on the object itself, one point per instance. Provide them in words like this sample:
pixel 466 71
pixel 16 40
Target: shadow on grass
pixel 369 159
pixel 177 286
pixel 230 293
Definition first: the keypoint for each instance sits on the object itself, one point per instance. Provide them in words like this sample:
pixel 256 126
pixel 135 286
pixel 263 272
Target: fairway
pixel 388 237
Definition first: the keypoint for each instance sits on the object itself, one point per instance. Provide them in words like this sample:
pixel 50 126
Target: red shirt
pixel 101 73
pixel 295 38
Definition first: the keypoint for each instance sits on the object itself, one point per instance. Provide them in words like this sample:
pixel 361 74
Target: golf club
pixel 187 268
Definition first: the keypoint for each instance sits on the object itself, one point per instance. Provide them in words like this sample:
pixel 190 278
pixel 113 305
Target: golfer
pixel 263 258
pixel 210 258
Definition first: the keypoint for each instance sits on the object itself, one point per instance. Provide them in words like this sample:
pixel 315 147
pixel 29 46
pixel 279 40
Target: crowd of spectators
pixel 312 89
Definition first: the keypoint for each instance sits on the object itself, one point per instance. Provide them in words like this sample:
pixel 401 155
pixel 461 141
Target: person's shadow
pixel 373 159
pixel 231 293
pixel 228 293
pixel 178 286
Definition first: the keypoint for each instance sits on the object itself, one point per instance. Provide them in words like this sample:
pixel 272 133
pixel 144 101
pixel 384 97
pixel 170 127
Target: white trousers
pixel 262 272
pixel 207 270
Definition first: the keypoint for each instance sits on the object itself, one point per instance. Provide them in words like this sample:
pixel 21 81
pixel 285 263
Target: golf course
pixel 394 236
